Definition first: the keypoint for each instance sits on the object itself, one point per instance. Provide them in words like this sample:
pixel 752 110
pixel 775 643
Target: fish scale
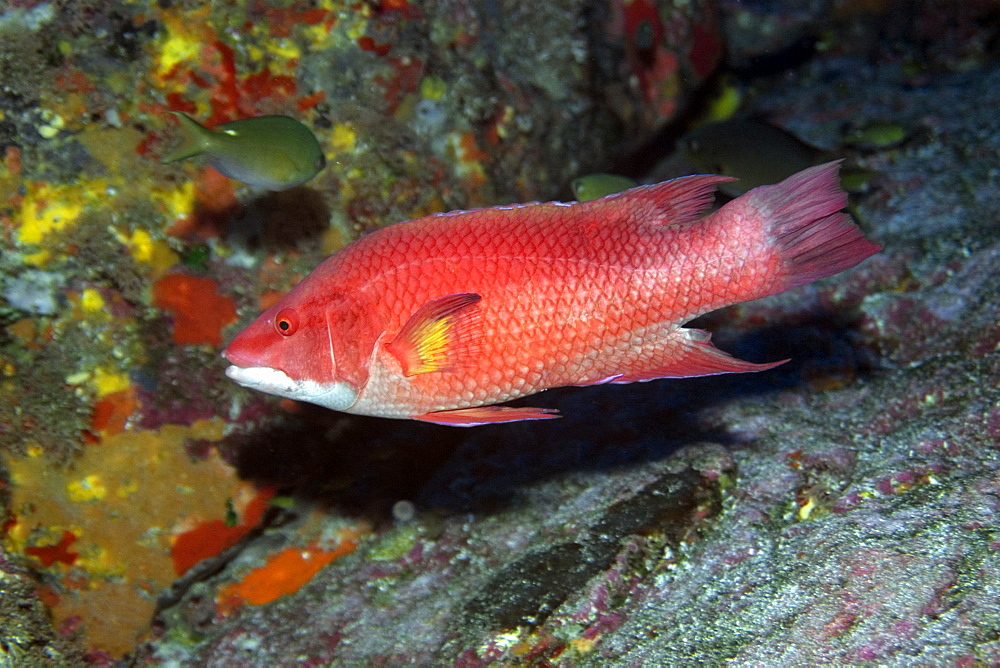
pixel 443 317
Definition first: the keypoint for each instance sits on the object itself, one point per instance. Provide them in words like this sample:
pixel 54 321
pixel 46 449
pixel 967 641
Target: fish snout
pixel 239 356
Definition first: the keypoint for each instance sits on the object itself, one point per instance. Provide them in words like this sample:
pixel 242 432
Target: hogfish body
pixel 442 317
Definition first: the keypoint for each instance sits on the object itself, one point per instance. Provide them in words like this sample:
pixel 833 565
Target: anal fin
pixel 471 417
pixel 697 357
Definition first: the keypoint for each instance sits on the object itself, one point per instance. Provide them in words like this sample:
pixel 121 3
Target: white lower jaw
pixel 337 396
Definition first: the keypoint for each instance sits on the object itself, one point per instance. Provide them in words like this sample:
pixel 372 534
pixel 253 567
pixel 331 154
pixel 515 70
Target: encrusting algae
pixel 101 531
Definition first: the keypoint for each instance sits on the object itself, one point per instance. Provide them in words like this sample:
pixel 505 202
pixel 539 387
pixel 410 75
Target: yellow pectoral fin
pixel 442 335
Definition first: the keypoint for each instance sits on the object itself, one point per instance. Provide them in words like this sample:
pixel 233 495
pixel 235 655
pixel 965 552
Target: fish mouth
pixel 262 378
pixel 337 395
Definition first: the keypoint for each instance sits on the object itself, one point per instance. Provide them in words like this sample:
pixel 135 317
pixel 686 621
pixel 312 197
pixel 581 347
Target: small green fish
pixel 877 135
pixel 754 152
pixel 273 152
pixel 595 186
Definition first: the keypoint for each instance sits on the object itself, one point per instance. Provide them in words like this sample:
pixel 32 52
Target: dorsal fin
pixel 674 202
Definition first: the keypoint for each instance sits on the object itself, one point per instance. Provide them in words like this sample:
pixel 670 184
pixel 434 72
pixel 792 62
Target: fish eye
pixel 286 322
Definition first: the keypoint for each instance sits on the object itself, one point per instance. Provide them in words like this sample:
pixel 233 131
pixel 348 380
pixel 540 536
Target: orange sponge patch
pixel 212 537
pixel 200 312
pixel 284 573
pixel 50 554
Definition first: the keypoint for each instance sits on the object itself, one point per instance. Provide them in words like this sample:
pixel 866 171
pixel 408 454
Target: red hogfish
pixel 442 317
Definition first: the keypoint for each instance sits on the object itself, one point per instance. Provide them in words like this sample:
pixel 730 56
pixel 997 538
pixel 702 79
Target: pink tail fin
pixel 811 234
